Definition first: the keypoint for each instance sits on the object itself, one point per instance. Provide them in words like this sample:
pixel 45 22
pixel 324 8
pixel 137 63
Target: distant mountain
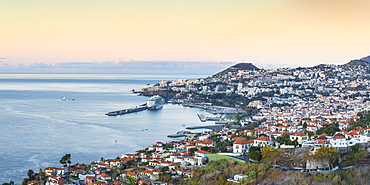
pixel 237 67
pixel 367 59
pixel 360 62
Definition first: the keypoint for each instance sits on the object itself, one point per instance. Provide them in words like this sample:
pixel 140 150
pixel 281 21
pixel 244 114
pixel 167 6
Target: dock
pixel 127 111
pixel 213 127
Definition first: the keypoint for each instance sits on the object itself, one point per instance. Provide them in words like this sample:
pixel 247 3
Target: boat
pixel 65 99
pixel 155 102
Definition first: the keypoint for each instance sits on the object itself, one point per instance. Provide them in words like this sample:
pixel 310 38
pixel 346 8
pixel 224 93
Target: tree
pixel 41 175
pixel 324 153
pixel 165 169
pixel 328 129
pixel 270 153
pixel 30 174
pixel 254 153
pixel 192 150
pixel 132 180
pixel 305 125
pixel 10 183
pixel 66 159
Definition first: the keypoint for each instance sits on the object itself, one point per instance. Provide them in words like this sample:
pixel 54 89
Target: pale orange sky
pixel 294 32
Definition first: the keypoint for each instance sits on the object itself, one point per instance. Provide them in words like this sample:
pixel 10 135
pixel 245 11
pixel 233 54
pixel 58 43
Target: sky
pixel 263 32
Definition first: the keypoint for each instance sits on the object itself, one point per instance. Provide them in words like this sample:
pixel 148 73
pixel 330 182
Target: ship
pixel 155 102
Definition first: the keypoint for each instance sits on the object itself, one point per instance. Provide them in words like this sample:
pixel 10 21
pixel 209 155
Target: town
pixel 277 111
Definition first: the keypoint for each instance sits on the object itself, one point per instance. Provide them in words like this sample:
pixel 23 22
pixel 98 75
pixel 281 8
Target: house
pixel 89 180
pixel 115 163
pixel 201 153
pixel 118 183
pixel 49 171
pixel 60 171
pixel 320 143
pixel 299 137
pixel 241 146
pixel 147 173
pixel 34 183
pixel 165 163
pixel 205 142
pixel 172 166
pixel 154 163
pixel 311 128
pixel 339 142
pixel 98 183
pixel 237 178
pixel 132 174
pixel 262 141
pixel 105 177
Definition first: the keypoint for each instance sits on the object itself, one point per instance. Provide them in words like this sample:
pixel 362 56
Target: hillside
pixel 218 172
pixel 235 68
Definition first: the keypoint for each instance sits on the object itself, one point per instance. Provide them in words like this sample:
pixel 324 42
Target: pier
pixel 127 111
pixel 213 127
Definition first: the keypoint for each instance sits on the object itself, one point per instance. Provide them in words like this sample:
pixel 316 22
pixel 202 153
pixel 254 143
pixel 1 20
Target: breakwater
pixel 213 127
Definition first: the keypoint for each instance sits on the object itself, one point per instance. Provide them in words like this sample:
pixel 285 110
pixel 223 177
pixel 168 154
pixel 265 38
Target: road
pixel 342 167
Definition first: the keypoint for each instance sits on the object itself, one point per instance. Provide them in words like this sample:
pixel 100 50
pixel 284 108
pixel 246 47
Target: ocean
pixel 38 128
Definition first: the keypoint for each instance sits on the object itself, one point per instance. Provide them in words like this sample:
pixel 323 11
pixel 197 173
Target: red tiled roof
pixel 339 137
pixel 298 134
pixel 263 138
pixel 243 142
pixel 50 168
pixel 202 152
pixel 322 142
pixel 147 171
pixel 118 183
pixel 130 173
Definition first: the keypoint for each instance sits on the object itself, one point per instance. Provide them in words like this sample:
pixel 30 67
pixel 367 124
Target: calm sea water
pixel 38 128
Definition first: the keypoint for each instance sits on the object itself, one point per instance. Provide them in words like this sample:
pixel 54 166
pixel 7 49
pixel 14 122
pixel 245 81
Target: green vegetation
pixel 217 172
pixel 285 139
pixel 10 183
pixel 254 153
pixel 354 157
pixel 329 129
pixel 221 146
pixel 216 157
pixel 363 122
pixel 270 154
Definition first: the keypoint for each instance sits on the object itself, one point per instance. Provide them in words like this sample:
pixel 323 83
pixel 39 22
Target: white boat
pixel 65 99
pixel 155 102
